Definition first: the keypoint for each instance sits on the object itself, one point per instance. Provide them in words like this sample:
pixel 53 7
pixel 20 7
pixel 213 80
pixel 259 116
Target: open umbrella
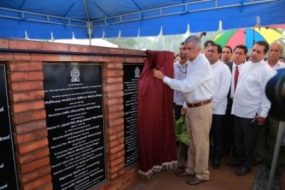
pixel 247 36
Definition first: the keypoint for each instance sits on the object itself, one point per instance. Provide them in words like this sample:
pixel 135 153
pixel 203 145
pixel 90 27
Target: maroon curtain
pixel 156 132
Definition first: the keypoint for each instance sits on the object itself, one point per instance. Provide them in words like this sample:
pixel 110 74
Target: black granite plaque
pixel 8 179
pixel 73 103
pixel 131 79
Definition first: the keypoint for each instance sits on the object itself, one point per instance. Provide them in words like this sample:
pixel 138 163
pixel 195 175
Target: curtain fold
pixel 156 131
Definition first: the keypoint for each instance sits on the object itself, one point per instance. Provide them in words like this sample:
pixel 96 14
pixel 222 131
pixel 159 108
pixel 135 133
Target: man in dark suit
pixel 239 57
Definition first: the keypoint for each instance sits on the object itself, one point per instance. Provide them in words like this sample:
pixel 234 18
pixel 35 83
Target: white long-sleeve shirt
pixel 180 72
pixel 250 98
pixel 278 65
pixel 198 84
pixel 222 82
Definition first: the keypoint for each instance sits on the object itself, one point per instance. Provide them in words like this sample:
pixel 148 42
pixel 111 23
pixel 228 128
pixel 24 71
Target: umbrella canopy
pixel 247 36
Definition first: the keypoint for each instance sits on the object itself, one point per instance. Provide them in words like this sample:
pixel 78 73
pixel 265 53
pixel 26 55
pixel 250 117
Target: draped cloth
pixel 156 131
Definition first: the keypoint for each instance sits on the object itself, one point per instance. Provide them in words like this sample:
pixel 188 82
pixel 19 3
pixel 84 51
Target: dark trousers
pixel 228 129
pixel 245 138
pixel 177 110
pixel 217 131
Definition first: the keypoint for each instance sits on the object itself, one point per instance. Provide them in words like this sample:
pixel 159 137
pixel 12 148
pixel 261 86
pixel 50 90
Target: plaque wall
pixel 130 80
pixel 73 103
pixel 8 179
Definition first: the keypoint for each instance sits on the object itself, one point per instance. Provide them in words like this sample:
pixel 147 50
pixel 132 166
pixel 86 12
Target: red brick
pixel 22 56
pixel 24 178
pixel 37 183
pixel 36 75
pixel 111 157
pixel 25 44
pixel 44 57
pixel 25 66
pixel 26 96
pixel 25 86
pixel 110 80
pixel 114 122
pixel 113 108
pixel 134 52
pixel 24 168
pixel 114 94
pixel 114 129
pixel 113 101
pixel 133 60
pixel 114 169
pixel 28 116
pixel 31 146
pixel 116 59
pixel 65 58
pixel 55 46
pixel 27 137
pixel 113 73
pixel 18 76
pixel 30 126
pixel 115 136
pixel 25 158
pixel 87 58
pixel 113 65
pixel 115 142
pixel 115 149
pixel 6 56
pixel 46 187
pixel 4 43
pixel 27 106
pixel 112 176
pixel 113 87
pixel 114 115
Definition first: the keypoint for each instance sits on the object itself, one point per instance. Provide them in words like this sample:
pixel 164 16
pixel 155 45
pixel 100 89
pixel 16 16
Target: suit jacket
pixel 230 100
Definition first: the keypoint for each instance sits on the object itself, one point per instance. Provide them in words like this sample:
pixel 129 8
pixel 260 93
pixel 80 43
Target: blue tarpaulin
pixel 57 19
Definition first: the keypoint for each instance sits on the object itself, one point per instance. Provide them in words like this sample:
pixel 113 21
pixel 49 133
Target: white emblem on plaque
pixel 2 109
pixel 2 166
pixel 75 75
pixel 137 72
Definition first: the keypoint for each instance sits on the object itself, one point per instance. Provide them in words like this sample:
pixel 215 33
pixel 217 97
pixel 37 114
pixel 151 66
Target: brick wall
pixel 25 81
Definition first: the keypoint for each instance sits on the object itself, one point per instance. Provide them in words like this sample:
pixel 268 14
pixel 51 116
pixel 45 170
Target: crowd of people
pixel 221 91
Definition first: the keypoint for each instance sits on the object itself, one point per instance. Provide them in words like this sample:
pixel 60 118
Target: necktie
pixel 236 78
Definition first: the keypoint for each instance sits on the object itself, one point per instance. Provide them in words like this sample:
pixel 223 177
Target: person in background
pixel 206 45
pixel 227 54
pixel 239 56
pixel 222 82
pixel 282 59
pixel 271 125
pixel 197 88
pixel 180 72
pixel 250 106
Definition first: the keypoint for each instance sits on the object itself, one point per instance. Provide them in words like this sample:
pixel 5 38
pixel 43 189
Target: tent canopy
pixel 57 19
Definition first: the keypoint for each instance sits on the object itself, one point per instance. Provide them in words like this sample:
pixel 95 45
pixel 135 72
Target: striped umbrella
pixel 248 36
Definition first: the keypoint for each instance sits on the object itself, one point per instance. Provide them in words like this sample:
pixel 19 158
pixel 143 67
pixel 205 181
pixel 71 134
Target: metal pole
pixel 276 153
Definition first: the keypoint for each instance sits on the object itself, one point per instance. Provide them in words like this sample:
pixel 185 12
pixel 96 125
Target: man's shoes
pixel 181 167
pixel 257 162
pixel 242 171
pixel 195 180
pixel 233 163
pixel 216 163
pixel 183 174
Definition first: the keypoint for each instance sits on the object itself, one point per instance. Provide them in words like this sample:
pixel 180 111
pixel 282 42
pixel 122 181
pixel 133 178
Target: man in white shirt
pixel 239 56
pixel 227 54
pixel 270 127
pixel 197 88
pixel 222 82
pixel 250 106
pixel 180 71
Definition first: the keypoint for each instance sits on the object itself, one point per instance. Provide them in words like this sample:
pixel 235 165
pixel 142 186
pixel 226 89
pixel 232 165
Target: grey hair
pixel 194 39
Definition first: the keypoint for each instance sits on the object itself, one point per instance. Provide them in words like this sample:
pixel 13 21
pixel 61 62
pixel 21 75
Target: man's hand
pixel 183 111
pixel 158 74
pixel 260 120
